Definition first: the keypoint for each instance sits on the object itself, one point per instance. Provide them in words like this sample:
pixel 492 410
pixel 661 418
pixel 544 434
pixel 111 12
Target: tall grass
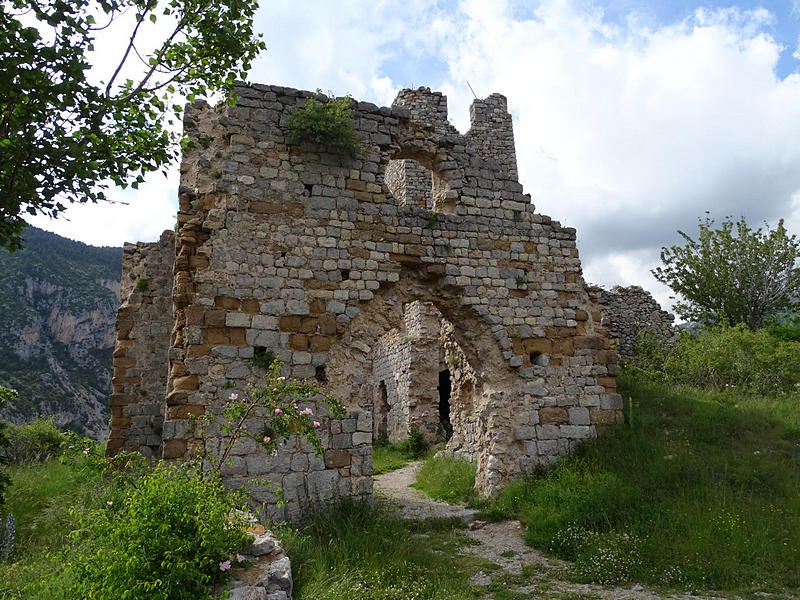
pixel 448 479
pixel 699 489
pixel 366 552
pixel 47 500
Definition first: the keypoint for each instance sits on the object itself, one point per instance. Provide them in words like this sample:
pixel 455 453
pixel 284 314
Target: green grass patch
pixel 387 458
pixel 448 479
pixel 360 551
pixel 698 490
pixel 46 501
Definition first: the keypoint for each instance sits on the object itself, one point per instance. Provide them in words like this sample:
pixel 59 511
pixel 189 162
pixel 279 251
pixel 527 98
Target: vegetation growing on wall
pixel 328 122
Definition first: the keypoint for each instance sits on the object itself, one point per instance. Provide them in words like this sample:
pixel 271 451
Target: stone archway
pixel 387 362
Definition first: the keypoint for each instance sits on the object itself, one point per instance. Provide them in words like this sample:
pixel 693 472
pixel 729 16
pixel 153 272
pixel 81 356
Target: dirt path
pixel 522 569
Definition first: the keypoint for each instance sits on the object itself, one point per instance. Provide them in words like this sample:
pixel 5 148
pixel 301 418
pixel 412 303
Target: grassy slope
pixel 706 487
pixel 45 500
pixel 702 490
pixel 367 553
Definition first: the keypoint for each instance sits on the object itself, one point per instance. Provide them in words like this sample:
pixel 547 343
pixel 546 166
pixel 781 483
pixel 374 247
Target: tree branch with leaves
pixel 66 137
pixel 733 274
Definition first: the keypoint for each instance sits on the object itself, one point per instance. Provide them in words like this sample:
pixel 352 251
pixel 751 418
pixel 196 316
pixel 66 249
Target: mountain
pixel 58 305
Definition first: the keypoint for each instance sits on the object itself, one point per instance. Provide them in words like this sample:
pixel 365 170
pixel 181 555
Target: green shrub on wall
pixel 327 122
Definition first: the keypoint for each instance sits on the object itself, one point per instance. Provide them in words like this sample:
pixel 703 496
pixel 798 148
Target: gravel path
pixel 412 503
pixel 503 544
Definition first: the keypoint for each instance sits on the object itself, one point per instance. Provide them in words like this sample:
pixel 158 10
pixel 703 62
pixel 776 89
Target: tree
pixel 739 278
pixel 65 137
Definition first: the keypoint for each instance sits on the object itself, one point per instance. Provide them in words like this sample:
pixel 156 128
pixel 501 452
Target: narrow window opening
pixel 319 374
pixel 309 189
pixel 445 391
pixel 381 412
pixel 345 274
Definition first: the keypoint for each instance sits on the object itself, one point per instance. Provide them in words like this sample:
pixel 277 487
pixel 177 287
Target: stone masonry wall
pixel 141 366
pixel 297 251
pixel 410 183
pixel 628 310
pixel 391 365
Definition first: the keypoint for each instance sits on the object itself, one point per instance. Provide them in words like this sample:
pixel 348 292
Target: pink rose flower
pixel 316 424
pixel 278 411
pixel 267 439
pixel 225 565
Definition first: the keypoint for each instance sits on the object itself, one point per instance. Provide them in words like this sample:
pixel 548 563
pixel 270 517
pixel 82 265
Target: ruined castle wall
pixel 628 310
pixel 288 248
pixel 492 133
pixel 423 323
pixel 465 420
pixel 410 183
pixel 294 250
pixel 391 376
pixel 141 365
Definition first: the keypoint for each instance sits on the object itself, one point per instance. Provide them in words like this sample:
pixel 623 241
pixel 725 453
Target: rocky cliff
pixel 58 303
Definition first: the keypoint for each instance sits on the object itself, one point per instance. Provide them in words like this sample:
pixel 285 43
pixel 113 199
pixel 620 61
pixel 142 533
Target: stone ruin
pixel 629 310
pixel 416 282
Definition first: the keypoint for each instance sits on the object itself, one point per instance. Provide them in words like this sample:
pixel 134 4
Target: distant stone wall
pixel 141 363
pixel 628 310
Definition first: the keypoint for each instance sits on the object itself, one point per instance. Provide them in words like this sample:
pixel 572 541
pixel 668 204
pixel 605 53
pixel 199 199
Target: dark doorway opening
pixel 381 414
pixel 445 391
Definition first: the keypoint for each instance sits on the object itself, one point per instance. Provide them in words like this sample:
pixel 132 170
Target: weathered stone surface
pixel 628 310
pixel 416 282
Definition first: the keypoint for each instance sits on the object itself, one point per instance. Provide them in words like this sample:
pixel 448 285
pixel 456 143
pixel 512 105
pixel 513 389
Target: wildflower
pixel 281 378
pixel 225 565
pixel 86 451
pixel 278 411
pixel 109 503
pixel 316 424
pixel 234 396
pixel 7 544
pixel 308 411
pixel 267 439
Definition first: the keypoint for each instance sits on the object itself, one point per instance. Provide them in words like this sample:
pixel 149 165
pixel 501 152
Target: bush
pixel 6 394
pixel 784 327
pixel 726 357
pixel 165 540
pixel 34 442
pixel 325 121
pixel 651 351
pixel 414 446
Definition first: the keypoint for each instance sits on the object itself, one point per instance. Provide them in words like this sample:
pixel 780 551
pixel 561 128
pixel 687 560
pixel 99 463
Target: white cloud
pixel 631 133
pixel 135 216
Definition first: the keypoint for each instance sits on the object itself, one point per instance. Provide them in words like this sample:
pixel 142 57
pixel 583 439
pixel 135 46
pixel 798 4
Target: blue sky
pixel 631 118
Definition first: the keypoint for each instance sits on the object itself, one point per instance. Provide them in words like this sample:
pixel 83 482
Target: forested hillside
pixel 58 303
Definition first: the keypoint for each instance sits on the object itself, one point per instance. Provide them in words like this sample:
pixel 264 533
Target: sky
pixel 631 118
